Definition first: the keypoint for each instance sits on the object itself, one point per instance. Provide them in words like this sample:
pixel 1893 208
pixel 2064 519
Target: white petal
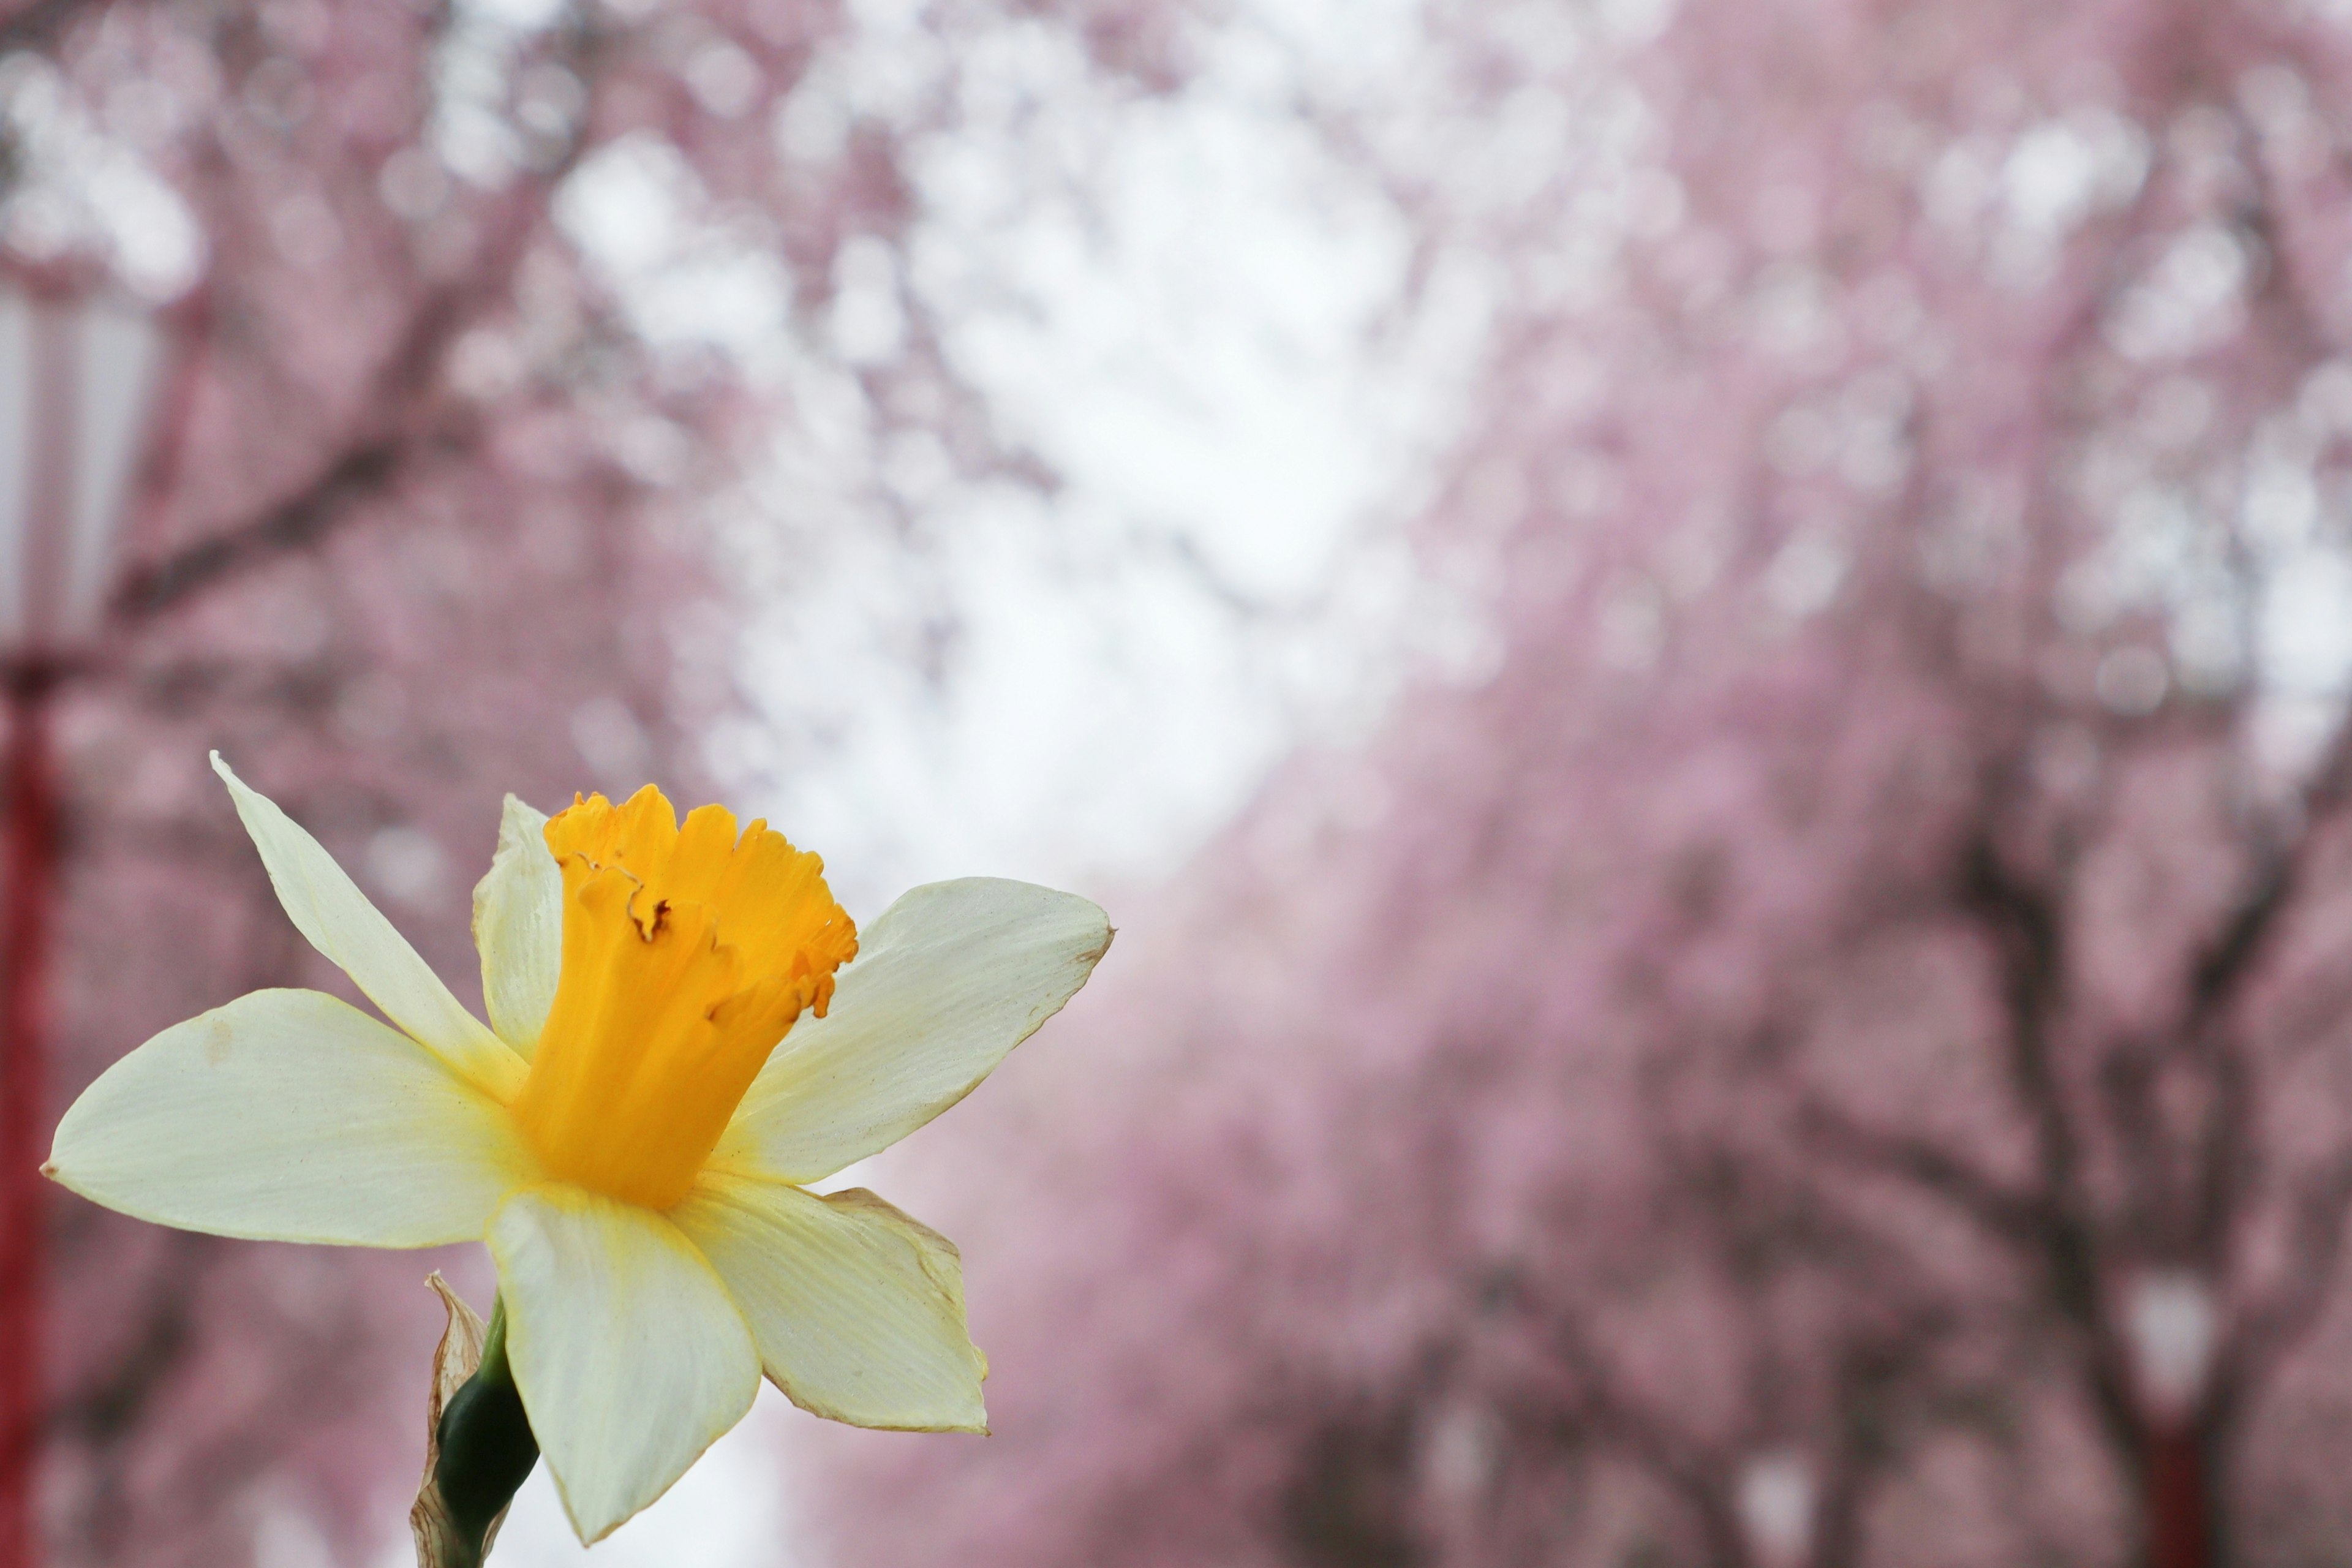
pixel 292 1116
pixel 858 1310
pixel 327 907
pixel 630 1356
pixel 518 928
pixel 950 979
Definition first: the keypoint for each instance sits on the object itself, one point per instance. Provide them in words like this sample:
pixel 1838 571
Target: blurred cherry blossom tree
pixel 1834 1052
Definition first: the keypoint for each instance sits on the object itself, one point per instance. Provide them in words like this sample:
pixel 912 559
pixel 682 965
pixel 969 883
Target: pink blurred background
pixel 1702 648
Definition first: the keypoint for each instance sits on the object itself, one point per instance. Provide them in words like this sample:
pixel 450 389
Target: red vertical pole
pixel 29 844
pixel 2180 1527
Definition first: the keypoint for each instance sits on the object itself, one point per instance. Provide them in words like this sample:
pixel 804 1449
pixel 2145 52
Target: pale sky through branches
pixel 1198 318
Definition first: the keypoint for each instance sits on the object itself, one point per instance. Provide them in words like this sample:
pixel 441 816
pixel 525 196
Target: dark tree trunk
pixel 2180 1513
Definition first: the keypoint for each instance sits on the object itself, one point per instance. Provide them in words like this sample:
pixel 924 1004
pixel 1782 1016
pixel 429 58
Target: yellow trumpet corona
pixel 688 954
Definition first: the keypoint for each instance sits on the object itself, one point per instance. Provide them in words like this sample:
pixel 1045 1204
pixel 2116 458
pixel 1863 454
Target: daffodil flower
pixel 678 1044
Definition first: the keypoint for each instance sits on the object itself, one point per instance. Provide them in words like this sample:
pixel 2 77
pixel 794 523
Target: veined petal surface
pixel 328 908
pixel 630 1355
pixel 292 1116
pixel 950 979
pixel 857 1310
pixel 518 928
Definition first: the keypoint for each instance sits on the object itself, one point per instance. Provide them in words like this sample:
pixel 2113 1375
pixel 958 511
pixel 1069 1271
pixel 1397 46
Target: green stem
pixel 486 1446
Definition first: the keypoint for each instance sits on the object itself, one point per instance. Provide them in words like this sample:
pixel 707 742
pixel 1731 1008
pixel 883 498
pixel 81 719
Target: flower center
pixel 688 954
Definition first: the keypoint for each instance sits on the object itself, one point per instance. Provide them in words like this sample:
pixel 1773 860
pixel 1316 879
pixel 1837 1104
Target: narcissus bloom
pixel 685 1031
